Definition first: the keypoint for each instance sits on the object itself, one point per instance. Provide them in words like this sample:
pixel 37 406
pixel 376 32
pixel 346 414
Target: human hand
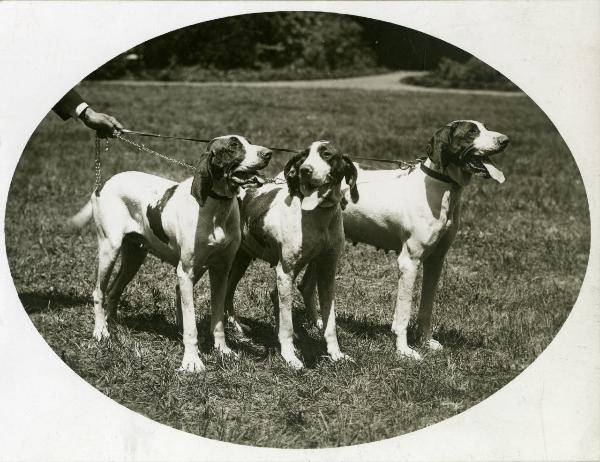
pixel 103 124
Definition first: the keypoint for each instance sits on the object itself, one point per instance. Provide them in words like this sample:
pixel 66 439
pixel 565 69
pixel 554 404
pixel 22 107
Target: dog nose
pixel 306 170
pixel 265 154
pixel 503 140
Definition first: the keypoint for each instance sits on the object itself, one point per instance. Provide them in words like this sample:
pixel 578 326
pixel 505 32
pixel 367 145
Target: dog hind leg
pixel 432 269
pixel 107 255
pixel 132 257
pixel 238 269
pixel 218 287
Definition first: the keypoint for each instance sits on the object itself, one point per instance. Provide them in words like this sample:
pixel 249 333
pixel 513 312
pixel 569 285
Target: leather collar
pixel 214 195
pixel 437 175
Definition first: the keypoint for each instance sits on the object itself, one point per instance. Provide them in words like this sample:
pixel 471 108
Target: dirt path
pixel 388 82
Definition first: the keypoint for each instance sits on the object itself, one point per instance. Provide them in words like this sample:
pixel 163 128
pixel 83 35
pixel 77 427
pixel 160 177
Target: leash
pixel 409 165
pixel 141 147
pixel 196 140
pixel 98 183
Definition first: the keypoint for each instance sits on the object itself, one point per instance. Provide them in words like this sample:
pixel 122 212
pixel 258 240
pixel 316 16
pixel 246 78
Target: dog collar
pixel 437 175
pixel 214 195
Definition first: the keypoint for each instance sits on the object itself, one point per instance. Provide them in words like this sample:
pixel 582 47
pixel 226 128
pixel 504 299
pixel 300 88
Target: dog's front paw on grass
pixel 292 361
pixel 408 352
pixel 226 352
pixel 192 363
pixel 339 356
pixel 101 332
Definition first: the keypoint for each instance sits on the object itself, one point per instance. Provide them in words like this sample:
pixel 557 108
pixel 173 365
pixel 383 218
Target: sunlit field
pixel 509 282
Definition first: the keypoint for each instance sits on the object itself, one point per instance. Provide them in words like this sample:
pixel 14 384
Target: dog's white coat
pixel 200 238
pixel 419 216
pixel 293 237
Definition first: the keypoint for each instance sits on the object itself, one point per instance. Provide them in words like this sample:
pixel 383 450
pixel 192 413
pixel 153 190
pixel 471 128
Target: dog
pixel 417 214
pixel 193 225
pixel 293 228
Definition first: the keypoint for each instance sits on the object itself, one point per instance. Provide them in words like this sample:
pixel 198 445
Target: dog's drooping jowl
pixel 417 214
pixel 193 225
pixel 295 227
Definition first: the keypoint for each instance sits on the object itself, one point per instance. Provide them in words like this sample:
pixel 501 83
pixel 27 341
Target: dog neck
pixel 452 175
pixel 321 217
pixel 222 190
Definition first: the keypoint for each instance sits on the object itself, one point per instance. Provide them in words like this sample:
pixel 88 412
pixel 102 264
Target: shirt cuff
pixel 78 110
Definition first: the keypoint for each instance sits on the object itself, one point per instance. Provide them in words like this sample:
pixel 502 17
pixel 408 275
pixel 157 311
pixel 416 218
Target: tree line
pixel 287 40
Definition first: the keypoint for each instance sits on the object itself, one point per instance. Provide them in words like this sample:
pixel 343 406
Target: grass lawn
pixel 508 285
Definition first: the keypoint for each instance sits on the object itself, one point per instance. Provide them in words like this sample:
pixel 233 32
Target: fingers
pixel 108 126
pixel 104 124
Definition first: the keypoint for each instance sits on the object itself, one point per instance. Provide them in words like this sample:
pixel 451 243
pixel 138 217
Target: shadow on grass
pixel 452 338
pixel 363 328
pixel 456 339
pixel 34 302
pixel 258 340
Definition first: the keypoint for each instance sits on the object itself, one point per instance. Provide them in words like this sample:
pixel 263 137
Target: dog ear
pixel 202 182
pixel 438 148
pixel 224 154
pixel 351 175
pixel 291 172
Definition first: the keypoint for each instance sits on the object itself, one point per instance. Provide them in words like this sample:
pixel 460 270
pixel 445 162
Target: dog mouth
pixel 246 177
pixel 316 196
pixel 482 165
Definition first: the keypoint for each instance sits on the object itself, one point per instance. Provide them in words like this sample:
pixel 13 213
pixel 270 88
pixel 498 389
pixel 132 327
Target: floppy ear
pixel 224 153
pixel 202 182
pixel 351 175
pixel 438 148
pixel 291 172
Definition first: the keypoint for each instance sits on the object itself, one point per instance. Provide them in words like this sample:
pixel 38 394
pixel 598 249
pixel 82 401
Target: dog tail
pixel 81 218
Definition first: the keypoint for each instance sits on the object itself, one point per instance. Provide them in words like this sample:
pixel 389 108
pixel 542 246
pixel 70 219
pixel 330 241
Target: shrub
pixel 472 74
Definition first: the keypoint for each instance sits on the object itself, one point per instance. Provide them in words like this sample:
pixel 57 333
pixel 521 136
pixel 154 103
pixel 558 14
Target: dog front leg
pixel 285 284
pixel 191 360
pixel 308 289
pixel 218 288
pixel 326 283
pixel 408 265
pixel 432 269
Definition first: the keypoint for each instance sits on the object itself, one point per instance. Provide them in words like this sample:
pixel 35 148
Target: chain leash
pixel 402 164
pixel 98 165
pixel 142 147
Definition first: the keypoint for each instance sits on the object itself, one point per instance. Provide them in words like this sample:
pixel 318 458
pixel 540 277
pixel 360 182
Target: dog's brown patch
pixel 154 214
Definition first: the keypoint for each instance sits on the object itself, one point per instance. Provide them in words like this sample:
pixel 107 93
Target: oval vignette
pixel 507 286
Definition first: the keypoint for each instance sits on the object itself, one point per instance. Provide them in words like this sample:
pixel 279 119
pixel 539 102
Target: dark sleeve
pixel 67 104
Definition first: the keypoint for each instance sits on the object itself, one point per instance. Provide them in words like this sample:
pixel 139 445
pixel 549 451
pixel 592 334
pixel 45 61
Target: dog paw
pixel 319 323
pixel 293 361
pixel 237 326
pixel 101 332
pixel 433 345
pixel 191 363
pixel 409 353
pixel 226 351
pixel 339 356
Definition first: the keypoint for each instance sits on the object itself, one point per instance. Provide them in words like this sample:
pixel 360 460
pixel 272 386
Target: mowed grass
pixel 509 282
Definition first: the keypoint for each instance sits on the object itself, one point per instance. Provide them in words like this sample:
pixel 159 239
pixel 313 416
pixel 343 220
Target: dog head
pixel 464 147
pixel 315 175
pixel 228 163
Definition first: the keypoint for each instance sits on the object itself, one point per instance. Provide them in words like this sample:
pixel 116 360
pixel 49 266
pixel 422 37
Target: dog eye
pixel 326 154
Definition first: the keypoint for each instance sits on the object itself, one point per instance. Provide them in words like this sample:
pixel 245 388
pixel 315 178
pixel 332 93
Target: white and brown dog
pixel 417 214
pixel 293 228
pixel 193 225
